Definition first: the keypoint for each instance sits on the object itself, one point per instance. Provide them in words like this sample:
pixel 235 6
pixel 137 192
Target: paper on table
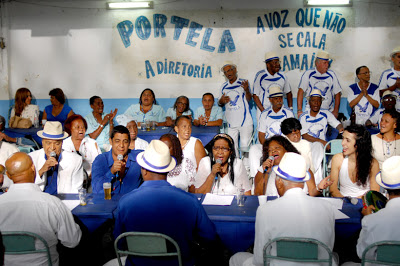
pixel 337 203
pixel 212 199
pixel 71 204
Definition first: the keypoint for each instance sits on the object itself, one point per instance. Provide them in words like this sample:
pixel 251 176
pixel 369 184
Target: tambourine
pixel 375 199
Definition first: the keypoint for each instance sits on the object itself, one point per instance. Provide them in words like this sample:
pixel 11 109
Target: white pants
pixel 241 259
pixel 317 153
pixel 255 155
pixel 245 135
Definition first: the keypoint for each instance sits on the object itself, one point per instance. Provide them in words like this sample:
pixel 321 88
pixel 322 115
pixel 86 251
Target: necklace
pixel 388 144
pixel 183 147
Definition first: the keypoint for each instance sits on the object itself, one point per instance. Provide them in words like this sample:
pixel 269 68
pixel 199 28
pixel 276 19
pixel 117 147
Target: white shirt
pixel 347 187
pixel 363 108
pixel 189 150
pixel 182 176
pixel 377 116
pixel 237 111
pixel 327 83
pixel 70 171
pixel 304 147
pixel 380 226
pixel 6 150
pixel 293 215
pixel 318 125
pixel 383 149
pixel 26 208
pixel 388 78
pixel 264 80
pixel 171 112
pixel 224 186
pixel 88 150
pixel 270 122
pixel 30 112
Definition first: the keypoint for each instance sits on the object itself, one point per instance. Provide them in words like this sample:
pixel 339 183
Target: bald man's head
pixel 20 168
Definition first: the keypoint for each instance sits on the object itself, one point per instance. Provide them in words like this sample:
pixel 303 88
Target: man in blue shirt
pixel 159 207
pixel 123 173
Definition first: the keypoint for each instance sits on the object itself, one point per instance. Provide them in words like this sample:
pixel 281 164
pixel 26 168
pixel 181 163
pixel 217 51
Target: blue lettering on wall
pixel 206 38
pixel 159 24
pixel 226 41
pixel 149 69
pixel 179 24
pixel 172 67
pixel 192 33
pixel 143 27
pixel 260 25
pixel 125 29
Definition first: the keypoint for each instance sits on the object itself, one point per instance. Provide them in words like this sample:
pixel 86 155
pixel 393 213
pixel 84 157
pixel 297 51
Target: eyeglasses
pixel 218 148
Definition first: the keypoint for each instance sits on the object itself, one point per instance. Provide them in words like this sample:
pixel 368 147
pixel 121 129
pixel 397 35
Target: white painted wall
pixel 76 46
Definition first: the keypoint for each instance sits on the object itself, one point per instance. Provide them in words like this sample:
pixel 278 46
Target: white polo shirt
pixel 318 125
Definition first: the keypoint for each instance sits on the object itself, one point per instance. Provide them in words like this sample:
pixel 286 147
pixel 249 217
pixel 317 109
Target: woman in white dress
pixel 76 126
pixel 273 150
pixel 387 143
pixel 181 107
pixel 192 147
pixel 221 172
pixel 355 168
pixel 24 108
pixel 182 176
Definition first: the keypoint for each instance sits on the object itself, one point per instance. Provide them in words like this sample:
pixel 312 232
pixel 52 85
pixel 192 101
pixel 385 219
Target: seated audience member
pixel 58 110
pixel 315 121
pixel 26 208
pixel 147 109
pixel 123 173
pixel 363 96
pixel 235 96
pixel 192 147
pixel 57 171
pixel 181 107
pixel 100 124
pixel 221 172
pixel 78 143
pixel 390 78
pixel 136 142
pixel 355 167
pixel 6 138
pixel 292 215
pixel 6 150
pixel 23 107
pixel 264 181
pixel 387 143
pixel 382 225
pixel 269 123
pixel 208 114
pixel 182 176
pixel 388 104
pixel 267 78
pixel 156 206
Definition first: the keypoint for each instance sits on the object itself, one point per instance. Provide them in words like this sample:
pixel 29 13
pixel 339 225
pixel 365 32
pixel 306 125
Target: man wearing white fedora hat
pixel 267 78
pixel 291 215
pixel 390 78
pixel 57 171
pixel 315 121
pixel 325 81
pixel 383 225
pixel 235 95
pixel 157 206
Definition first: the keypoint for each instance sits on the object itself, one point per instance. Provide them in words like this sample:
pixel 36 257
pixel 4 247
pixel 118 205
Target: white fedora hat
pixel 315 92
pixel 395 51
pixel 387 94
pixel 228 63
pixel 293 167
pixel 52 130
pixel 323 55
pixel 156 158
pixel 389 176
pixel 271 56
pixel 275 91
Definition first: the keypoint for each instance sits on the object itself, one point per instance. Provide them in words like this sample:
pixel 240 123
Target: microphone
pixel 220 162
pixel 54 155
pixel 272 158
pixel 120 157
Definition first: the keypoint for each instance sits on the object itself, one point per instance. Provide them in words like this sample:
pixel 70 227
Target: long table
pixel 235 225
pixel 205 134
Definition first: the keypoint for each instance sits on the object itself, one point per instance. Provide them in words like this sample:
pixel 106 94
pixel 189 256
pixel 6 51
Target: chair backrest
pixel 387 253
pixel 336 147
pixel 147 244
pixel 21 242
pixel 25 148
pixel 296 249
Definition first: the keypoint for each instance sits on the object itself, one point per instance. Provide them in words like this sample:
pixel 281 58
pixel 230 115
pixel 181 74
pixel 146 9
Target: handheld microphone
pixel 220 162
pixel 272 158
pixel 120 157
pixel 54 155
